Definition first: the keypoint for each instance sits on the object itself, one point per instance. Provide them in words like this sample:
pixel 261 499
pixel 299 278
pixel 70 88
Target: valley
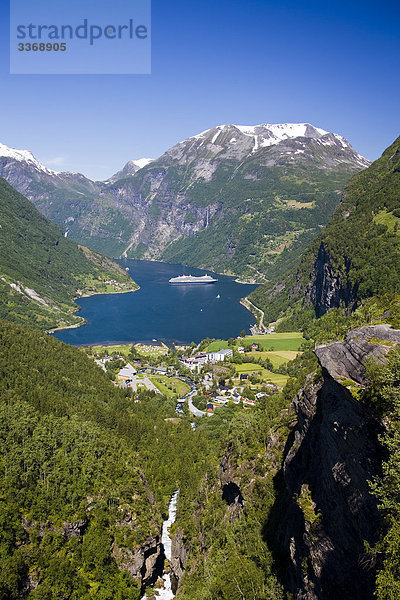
pixel 288 488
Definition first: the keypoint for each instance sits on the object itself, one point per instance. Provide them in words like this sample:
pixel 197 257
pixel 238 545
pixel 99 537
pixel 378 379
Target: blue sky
pixel 332 64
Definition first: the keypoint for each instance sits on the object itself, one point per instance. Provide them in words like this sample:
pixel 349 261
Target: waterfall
pixel 166 592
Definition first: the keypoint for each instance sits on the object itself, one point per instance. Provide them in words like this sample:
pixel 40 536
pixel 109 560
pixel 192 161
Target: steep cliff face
pixel 327 513
pixel 329 287
pixel 179 558
pixel 145 563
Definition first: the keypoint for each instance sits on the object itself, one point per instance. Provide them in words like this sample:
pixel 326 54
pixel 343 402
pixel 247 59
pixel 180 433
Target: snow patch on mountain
pixel 265 134
pixel 24 156
pixel 281 131
pixel 141 162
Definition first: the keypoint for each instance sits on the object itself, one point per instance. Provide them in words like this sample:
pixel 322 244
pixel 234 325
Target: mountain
pixel 231 198
pixel 41 271
pixel 131 167
pixel 62 197
pixel 357 256
pixel 238 199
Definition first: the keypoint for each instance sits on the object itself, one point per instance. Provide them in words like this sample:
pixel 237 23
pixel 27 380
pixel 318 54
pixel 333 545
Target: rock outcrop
pixel 144 563
pixel 348 359
pixel 326 511
pixel 231 492
pixel 179 558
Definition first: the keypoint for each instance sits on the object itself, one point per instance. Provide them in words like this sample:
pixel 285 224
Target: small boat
pixel 126 268
pixel 218 296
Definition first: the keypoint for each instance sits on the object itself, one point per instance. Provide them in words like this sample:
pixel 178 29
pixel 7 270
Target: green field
pixel 162 382
pixel 277 358
pixel 122 350
pixel 274 341
pixel 266 375
pixel 388 219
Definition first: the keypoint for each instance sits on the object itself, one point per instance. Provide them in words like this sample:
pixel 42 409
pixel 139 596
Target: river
pixel 163 311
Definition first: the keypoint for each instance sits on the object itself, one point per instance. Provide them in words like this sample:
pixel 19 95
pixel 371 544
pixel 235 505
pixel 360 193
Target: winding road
pixel 188 397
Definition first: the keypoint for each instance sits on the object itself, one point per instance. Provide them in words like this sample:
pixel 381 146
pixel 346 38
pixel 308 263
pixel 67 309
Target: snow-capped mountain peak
pixel 268 134
pixel 24 156
pixel 141 162
pixel 240 141
pixel 131 167
pixel 283 131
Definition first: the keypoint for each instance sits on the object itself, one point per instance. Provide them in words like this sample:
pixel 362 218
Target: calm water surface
pixel 162 311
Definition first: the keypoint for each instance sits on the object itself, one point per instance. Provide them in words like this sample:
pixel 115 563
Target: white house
pixel 220 355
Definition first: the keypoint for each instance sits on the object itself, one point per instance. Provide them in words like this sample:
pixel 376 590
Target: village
pixel 204 377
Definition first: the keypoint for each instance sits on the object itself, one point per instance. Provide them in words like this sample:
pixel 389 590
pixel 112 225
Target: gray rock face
pixel 347 360
pixel 179 558
pixel 327 288
pixel 75 529
pixel 231 492
pixel 144 563
pixel 333 452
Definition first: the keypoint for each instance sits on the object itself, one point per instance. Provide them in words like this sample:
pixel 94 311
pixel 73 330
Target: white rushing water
pixel 166 592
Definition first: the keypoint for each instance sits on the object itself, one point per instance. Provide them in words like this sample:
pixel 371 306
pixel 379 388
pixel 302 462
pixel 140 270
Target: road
pixel 195 411
pixel 188 397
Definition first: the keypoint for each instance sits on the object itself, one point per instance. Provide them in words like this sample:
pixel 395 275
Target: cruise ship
pixel 185 279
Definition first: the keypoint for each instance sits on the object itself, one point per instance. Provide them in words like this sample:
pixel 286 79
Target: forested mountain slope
pixel 83 477
pixel 41 271
pixel 357 256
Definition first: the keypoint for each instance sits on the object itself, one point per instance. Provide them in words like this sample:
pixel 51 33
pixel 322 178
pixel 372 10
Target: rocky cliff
pixel 179 558
pixel 329 287
pixel 144 563
pixel 326 512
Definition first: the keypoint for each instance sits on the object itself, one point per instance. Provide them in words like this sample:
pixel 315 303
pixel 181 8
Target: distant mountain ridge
pixel 238 199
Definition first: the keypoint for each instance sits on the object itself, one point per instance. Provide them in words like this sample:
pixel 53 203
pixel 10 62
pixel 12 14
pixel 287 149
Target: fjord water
pixel 161 311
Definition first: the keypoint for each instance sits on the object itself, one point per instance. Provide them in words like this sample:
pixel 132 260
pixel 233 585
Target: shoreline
pixel 84 321
pixel 255 311
pixel 106 293
pixel 64 327
pixel 252 282
pixel 157 344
